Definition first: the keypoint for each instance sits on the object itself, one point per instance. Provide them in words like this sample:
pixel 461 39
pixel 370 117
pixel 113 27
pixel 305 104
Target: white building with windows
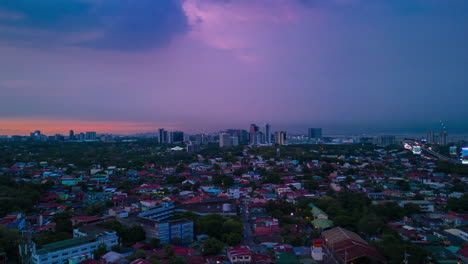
pixel 72 250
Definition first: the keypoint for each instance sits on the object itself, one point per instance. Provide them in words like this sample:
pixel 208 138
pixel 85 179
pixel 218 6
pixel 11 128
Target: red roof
pixel 239 251
pixel 89 261
pixel 140 261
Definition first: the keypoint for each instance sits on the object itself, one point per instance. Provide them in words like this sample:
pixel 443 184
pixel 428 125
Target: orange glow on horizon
pixel 52 127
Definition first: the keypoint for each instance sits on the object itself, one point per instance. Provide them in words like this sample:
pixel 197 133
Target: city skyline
pixel 348 66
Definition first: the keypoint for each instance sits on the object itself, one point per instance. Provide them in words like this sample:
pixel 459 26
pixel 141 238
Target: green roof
pixel 317 211
pixel 64 244
pixel 287 258
pixel 433 239
pixel 322 223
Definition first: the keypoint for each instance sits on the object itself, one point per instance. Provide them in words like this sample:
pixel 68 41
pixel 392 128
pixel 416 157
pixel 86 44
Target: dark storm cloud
pixel 107 24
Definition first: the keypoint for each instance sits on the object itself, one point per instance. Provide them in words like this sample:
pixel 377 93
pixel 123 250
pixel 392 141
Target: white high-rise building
pixel 224 140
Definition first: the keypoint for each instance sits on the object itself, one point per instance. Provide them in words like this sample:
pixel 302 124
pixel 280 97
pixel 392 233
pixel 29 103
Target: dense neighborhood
pixel 138 202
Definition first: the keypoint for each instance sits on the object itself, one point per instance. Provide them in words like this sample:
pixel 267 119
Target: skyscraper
pixel 224 140
pixel 431 136
pixel 315 134
pixel 72 135
pixel 178 136
pixel 90 136
pixel 443 137
pixel 252 134
pixel 163 137
pixel 280 138
pixel 267 134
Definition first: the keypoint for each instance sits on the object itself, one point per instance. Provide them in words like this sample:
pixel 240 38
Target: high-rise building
pixel 200 138
pixel 431 137
pixel 252 134
pixel 177 136
pixel 163 136
pixel 193 147
pixel 443 137
pixel 72 135
pixel 225 140
pixel 315 134
pixel 234 141
pixel 266 134
pixel 280 138
pixel 90 136
pixel 385 140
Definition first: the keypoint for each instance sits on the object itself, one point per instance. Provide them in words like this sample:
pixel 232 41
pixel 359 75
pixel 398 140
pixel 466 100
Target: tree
pixel 139 254
pixel 168 251
pixel 180 168
pixel 9 241
pixel 63 223
pixel 155 243
pixel 211 246
pixel 411 209
pixel 101 250
pixel 370 224
pixel 233 239
pixel 116 248
pixel 458 205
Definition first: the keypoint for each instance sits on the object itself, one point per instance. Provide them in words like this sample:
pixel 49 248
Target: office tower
pixel 280 138
pixel 234 141
pixel 385 140
pixel 163 136
pixel 193 147
pixel 266 134
pixel 72 135
pixel 252 132
pixel 224 140
pixel 431 137
pixel 201 138
pixel 90 136
pixel 177 136
pixel 443 137
pixel 170 137
pixel 315 134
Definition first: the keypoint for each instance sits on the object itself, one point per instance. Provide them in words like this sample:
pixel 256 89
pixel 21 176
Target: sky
pixel 125 66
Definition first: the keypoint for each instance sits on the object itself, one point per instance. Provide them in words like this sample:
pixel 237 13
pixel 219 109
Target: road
pixel 433 153
pixel 248 237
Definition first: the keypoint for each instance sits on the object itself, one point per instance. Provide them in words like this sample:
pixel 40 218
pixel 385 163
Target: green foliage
pixel 9 241
pixel 101 250
pixel 177 260
pixel 224 180
pixel 393 249
pixel 458 205
pixel 95 209
pixel 215 225
pixel 449 167
pixel 155 243
pixel 19 196
pixel 211 246
pixel 116 248
pixel 168 251
pixel 63 223
pixel 139 254
pixel 128 235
